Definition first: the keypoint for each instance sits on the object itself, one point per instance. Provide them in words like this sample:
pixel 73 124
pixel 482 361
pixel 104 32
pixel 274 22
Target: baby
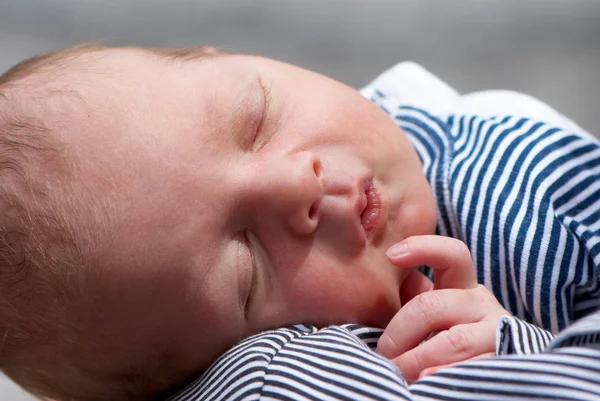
pixel 159 205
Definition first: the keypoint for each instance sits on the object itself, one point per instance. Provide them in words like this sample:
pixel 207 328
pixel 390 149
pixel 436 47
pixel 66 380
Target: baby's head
pixel 159 205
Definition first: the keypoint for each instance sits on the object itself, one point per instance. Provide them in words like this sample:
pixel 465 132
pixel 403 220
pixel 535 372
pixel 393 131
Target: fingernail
pixel 397 250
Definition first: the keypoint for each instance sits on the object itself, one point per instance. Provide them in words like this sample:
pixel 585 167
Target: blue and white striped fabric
pixel 525 197
pixel 338 363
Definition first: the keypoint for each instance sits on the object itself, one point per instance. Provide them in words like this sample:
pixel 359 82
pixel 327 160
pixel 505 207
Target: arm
pixel 302 362
pixel 298 363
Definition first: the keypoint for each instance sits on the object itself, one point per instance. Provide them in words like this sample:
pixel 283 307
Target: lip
pixel 375 211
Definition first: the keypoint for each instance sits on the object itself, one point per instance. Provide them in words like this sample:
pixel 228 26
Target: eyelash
pixel 248 244
pixel 267 100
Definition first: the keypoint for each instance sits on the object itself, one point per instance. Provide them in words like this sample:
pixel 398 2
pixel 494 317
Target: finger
pixel 414 284
pixel 436 311
pixel 457 344
pixel 449 258
pixel 430 371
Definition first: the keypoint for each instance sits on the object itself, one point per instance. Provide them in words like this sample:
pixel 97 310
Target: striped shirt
pixel 525 197
pixel 338 363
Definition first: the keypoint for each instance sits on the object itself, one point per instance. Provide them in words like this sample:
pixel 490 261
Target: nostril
pixel 317 167
pixel 312 212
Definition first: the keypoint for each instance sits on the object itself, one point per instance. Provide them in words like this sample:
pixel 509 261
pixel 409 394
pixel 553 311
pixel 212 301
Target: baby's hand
pixel 457 317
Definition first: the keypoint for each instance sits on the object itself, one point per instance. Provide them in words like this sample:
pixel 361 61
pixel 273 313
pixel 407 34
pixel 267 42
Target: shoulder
pixel 299 361
pixel 408 83
pixel 440 120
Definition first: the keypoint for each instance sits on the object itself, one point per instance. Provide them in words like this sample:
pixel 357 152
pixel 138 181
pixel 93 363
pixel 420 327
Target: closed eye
pixel 248 238
pixel 259 141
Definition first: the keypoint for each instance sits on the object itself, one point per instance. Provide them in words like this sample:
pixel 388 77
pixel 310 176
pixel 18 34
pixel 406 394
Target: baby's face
pixel 253 194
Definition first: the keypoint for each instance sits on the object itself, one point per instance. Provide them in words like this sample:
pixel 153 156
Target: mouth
pixel 374 215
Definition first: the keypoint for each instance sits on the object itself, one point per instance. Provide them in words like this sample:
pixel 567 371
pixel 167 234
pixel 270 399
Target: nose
pixel 294 189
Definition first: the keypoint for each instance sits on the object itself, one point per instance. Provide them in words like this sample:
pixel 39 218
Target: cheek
pixel 322 293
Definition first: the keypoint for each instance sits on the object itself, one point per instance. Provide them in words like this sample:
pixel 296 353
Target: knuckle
pixel 410 365
pixel 429 306
pixel 459 340
pixel 485 305
pixel 483 292
pixel 473 296
pixel 463 249
pixel 485 297
pixel 463 254
pixel 386 345
pixel 481 288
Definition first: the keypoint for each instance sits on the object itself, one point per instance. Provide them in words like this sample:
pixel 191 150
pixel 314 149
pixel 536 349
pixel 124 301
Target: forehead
pixel 147 119
pixel 139 90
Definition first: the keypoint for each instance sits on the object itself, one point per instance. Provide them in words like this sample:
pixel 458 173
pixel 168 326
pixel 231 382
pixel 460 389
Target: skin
pixel 450 322
pixel 239 184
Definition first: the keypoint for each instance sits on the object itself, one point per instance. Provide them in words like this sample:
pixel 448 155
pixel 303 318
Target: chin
pixel 382 311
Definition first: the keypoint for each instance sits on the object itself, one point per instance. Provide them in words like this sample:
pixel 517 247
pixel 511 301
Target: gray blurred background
pixel 547 48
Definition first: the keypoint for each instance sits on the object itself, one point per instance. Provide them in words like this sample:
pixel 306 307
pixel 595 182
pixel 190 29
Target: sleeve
pixel 517 337
pixel 304 363
pixel 300 363
pixel 527 201
pixel 516 181
pixel 532 365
